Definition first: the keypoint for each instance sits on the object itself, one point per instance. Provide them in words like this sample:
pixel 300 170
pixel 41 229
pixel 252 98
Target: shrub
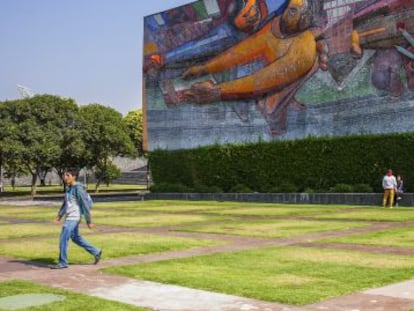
pixel 363 188
pixel 287 187
pixel 308 190
pixel 342 188
pixel 207 189
pixel 167 187
pixel 240 188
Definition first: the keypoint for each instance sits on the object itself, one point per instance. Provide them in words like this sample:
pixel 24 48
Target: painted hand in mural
pixel 194 72
pixel 203 93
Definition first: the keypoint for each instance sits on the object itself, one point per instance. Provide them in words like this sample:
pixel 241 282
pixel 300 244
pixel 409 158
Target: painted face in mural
pixel 297 17
pixel 252 12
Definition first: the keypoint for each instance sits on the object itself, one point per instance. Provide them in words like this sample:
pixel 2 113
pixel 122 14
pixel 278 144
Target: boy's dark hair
pixel 74 171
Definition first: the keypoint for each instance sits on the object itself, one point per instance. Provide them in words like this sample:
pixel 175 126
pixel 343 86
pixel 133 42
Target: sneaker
pixel 98 257
pixel 58 266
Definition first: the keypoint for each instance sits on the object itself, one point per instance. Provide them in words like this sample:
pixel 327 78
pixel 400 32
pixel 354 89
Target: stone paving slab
pixel 404 290
pixel 165 297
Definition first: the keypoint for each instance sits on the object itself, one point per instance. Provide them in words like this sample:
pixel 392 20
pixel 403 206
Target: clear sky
pixel 88 50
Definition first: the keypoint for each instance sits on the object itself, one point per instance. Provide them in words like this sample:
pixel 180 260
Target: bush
pixel 342 188
pixel 317 163
pixel 207 189
pixel 166 187
pixel 287 187
pixel 308 190
pixel 240 188
pixel 363 188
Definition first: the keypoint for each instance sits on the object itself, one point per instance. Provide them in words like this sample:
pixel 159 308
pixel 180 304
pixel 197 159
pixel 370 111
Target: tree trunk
pixel 34 180
pixel 1 175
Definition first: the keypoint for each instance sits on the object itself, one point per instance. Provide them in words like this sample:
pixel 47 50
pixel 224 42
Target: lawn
pixel 372 214
pixel 288 274
pixel 70 302
pixel 283 274
pixel 395 237
pixel 279 210
pixel 22 230
pixel 155 220
pixel 273 228
pixel 115 245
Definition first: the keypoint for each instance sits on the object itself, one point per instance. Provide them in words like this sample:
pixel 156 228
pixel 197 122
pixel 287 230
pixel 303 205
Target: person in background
pixel 389 184
pixel 399 191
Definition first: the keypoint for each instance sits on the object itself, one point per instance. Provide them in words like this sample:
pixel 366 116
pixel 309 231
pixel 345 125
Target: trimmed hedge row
pixel 317 164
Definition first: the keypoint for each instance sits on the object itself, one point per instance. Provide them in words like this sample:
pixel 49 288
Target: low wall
pixel 297 198
pixel 289 198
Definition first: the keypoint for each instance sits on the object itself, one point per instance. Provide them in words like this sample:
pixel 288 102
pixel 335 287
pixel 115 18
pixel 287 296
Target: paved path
pixel 156 296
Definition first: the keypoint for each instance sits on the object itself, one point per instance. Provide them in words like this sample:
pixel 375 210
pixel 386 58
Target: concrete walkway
pixel 88 279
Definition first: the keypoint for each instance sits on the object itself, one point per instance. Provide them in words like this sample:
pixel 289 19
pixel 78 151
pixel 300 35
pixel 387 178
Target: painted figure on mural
pixel 289 51
pixel 238 19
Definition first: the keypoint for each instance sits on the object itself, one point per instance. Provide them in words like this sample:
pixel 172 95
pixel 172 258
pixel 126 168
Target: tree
pixel 40 122
pixel 105 136
pixel 133 121
pixel 107 174
pixel 9 146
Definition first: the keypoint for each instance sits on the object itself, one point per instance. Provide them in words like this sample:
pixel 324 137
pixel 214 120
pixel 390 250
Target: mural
pixel 233 71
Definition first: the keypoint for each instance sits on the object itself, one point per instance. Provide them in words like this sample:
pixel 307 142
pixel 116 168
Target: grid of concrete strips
pixel 163 297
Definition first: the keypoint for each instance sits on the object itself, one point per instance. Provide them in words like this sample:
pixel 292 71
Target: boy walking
pixel 72 209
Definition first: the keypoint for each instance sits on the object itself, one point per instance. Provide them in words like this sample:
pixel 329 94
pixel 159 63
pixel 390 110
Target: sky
pixel 88 50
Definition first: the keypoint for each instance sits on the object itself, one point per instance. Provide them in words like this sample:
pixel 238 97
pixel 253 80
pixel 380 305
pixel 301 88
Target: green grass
pixel 115 245
pixel 122 214
pixel 278 210
pixel 73 301
pixel 155 220
pixel 283 274
pixel 30 213
pixel 178 206
pixel 373 214
pixel 273 228
pixel 396 237
pixel 12 231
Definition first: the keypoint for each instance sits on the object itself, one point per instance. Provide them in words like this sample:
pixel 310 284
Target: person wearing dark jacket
pixel 399 190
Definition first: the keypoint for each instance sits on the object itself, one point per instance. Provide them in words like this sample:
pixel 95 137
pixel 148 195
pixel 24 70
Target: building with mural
pixel 235 71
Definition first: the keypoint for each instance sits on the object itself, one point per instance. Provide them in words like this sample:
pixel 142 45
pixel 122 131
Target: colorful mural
pixel 233 71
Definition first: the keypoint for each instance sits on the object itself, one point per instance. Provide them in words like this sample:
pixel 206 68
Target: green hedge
pixel 320 164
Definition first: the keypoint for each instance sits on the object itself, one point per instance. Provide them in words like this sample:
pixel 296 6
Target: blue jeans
pixel 70 230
